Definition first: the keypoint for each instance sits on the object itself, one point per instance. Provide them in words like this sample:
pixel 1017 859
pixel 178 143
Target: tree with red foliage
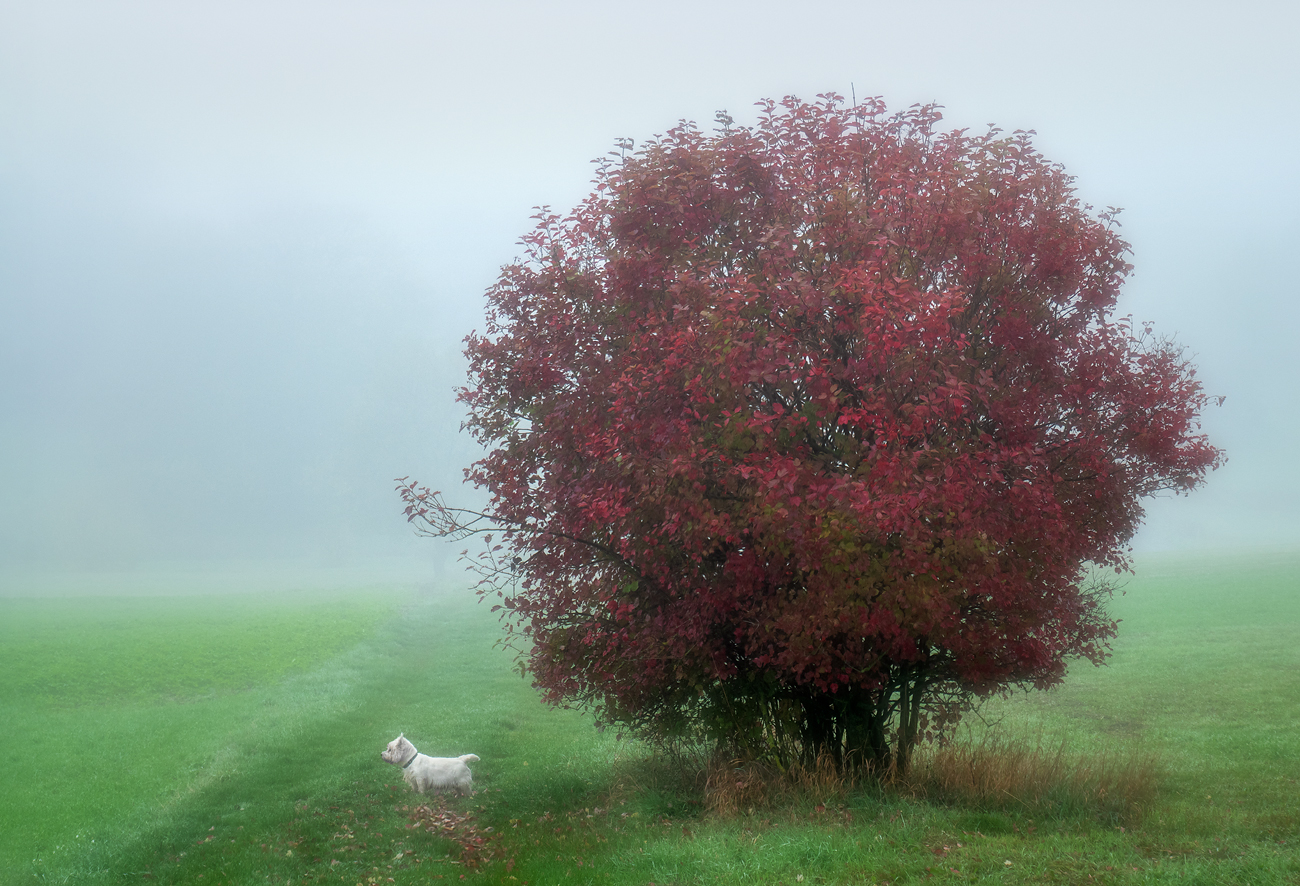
pixel 802 436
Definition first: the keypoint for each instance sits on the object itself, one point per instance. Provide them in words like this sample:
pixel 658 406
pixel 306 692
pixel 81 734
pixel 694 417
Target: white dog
pixel 430 773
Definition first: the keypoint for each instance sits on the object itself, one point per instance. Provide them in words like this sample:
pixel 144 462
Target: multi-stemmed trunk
pixel 863 730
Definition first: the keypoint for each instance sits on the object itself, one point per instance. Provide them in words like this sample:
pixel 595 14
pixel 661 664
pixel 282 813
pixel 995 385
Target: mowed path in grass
pixel 133 725
pixel 119 709
pixel 235 739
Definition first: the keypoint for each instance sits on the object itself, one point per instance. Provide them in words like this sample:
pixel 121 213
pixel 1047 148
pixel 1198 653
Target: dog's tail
pixel 469 758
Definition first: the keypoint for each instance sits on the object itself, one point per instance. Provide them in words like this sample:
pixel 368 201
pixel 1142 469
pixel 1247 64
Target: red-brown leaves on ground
pixel 477 844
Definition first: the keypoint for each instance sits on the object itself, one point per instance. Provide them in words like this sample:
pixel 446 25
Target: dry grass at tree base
pixel 733 787
pixel 990 774
pixel 1016 774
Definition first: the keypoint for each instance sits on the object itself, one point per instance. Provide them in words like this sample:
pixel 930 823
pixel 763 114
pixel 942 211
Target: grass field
pixel 228 738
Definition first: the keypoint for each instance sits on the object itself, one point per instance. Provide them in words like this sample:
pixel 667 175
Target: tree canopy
pixel 802 435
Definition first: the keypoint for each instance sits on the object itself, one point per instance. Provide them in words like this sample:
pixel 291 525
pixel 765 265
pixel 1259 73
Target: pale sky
pixel 240 243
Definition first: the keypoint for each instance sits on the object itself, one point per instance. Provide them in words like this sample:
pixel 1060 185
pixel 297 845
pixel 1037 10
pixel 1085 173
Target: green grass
pixel 1206 672
pixel 147 700
pixel 80 651
pixel 235 739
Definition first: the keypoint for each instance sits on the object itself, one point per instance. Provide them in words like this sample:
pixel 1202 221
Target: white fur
pixel 430 773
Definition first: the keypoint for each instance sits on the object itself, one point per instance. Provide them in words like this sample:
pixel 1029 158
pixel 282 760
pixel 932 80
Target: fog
pixel 240 243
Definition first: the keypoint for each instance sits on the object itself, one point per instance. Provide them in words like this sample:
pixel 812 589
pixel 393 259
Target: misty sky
pixel 240 243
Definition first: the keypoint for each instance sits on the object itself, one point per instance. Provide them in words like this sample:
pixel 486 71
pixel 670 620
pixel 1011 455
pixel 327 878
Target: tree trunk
pixel 911 688
pixel 821 732
pixel 865 745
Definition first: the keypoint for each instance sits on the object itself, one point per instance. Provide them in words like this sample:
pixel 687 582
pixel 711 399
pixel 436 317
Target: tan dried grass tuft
pixel 734 786
pixel 1047 779
pixel 992 774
